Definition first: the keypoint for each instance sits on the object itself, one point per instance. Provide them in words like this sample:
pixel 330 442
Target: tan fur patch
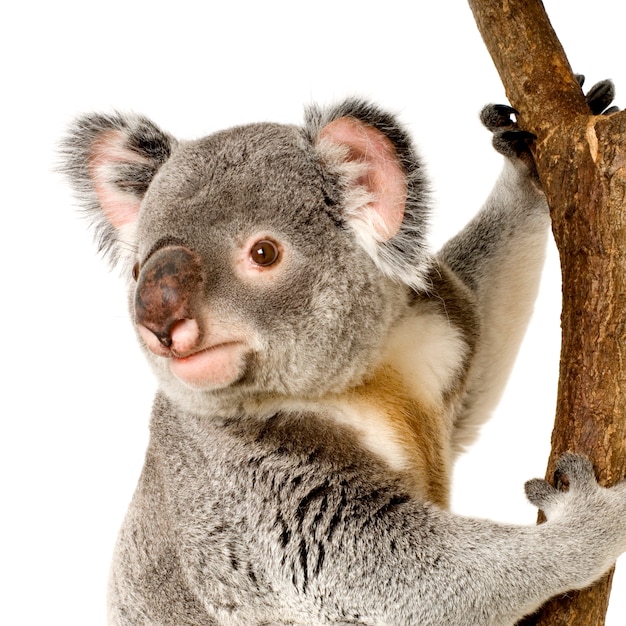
pixel 419 431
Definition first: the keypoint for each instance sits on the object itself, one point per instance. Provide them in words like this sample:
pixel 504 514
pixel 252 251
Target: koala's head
pixel 262 260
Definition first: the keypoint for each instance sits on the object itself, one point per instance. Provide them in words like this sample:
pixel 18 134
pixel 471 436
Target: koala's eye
pixel 135 272
pixel 264 253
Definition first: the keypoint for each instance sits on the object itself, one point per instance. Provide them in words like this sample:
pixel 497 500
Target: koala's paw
pixel 514 143
pixel 508 139
pixel 600 96
pixel 574 474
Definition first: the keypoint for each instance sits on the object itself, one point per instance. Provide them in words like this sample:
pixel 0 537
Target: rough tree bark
pixel 581 161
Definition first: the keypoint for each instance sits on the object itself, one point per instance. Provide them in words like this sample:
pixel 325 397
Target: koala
pixel 319 370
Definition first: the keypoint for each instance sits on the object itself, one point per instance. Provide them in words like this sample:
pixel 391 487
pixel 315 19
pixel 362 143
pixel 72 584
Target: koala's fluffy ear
pixel 384 188
pixel 111 160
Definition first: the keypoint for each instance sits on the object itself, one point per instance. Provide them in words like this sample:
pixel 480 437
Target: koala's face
pixel 248 280
pixel 267 260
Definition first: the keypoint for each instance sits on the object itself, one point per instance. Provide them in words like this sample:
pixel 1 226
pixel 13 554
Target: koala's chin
pixel 213 367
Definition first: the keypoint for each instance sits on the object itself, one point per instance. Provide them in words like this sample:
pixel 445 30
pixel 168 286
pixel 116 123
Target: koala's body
pixel 318 371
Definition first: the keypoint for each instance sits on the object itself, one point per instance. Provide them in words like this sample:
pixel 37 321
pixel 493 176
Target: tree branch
pixel 581 160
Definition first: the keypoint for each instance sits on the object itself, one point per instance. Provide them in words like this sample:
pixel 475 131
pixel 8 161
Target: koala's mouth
pixel 213 367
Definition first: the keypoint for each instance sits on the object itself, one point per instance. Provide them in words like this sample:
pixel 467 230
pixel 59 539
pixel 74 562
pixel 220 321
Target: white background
pixel 76 392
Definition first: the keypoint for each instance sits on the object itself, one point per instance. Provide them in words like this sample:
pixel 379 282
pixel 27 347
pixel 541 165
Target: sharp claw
pixel 505 109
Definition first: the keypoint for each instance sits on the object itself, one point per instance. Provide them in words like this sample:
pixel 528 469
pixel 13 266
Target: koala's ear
pixel 111 161
pixel 378 173
pixel 384 189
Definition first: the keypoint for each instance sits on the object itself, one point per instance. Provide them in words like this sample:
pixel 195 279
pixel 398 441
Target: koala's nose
pixel 168 284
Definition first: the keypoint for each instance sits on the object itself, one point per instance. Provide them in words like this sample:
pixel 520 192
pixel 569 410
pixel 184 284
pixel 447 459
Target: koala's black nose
pixel 168 284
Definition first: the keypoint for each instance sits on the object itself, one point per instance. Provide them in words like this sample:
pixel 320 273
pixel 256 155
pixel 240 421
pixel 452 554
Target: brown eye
pixel 135 272
pixel 264 253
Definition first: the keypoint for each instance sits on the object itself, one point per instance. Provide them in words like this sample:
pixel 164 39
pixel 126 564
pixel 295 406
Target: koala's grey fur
pixel 304 479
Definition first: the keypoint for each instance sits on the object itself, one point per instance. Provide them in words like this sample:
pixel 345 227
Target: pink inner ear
pixel 119 207
pixel 384 178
